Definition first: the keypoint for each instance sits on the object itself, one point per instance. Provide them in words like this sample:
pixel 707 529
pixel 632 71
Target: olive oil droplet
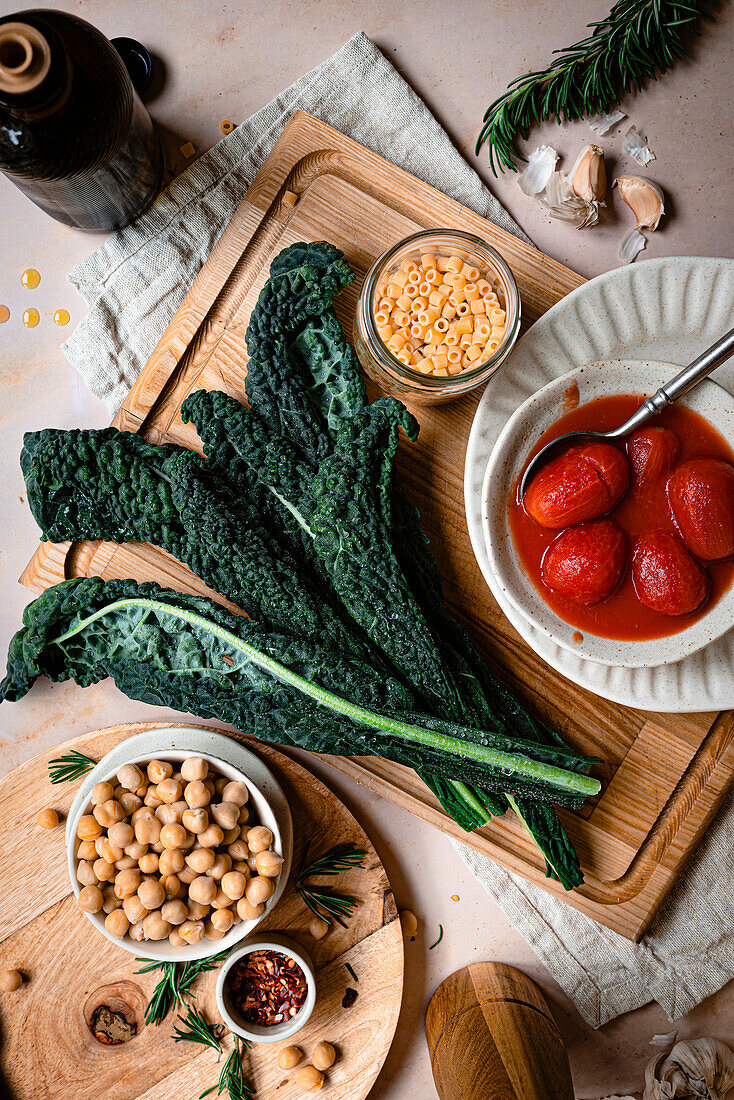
pixel 31 317
pixel 30 278
pixel 61 317
pixel 4 314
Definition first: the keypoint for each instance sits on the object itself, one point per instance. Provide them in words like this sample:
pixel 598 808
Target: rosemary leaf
pixel 193 1028
pixel 440 937
pixel 71 766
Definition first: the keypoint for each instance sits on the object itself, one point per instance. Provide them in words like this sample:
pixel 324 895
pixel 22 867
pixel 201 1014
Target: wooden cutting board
pixel 664 775
pixel 48 1051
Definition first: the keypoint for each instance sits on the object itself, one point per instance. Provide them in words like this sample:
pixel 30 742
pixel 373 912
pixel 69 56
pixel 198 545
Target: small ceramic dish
pixel 506 462
pixel 255 1033
pixel 231 759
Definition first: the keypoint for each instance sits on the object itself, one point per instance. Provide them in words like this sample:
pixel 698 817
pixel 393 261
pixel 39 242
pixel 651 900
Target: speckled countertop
pixel 223 61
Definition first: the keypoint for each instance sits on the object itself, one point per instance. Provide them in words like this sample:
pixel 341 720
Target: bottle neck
pixel 33 67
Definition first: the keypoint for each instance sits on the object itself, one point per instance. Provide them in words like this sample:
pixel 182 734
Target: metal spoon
pixel 689 377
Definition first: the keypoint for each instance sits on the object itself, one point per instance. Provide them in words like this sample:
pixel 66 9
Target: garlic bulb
pixel 589 176
pixel 698 1069
pixel 561 202
pixel 644 198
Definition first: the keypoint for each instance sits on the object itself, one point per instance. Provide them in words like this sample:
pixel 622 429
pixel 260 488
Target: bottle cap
pixel 25 58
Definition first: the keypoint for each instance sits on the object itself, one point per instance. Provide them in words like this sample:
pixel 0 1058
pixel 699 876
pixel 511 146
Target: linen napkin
pixel 133 285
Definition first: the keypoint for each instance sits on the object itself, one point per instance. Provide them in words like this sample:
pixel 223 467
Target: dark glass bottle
pixel 74 135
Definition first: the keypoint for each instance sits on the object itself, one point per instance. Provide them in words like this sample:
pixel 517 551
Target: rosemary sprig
pixel 71 766
pixel 440 937
pixel 638 40
pixel 321 900
pixel 232 1078
pixel 175 984
pixel 193 1028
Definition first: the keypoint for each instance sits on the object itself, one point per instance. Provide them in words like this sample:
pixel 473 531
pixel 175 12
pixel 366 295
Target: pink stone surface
pixel 223 61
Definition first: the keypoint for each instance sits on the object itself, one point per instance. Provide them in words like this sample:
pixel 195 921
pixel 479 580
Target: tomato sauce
pixel 642 508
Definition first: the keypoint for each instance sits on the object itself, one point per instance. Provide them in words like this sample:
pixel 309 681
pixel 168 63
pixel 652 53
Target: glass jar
pixel 403 380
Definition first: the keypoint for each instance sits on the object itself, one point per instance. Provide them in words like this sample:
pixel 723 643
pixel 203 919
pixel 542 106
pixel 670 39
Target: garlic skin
pixel 561 202
pixel 635 145
pixel 631 246
pixel 698 1069
pixel 601 124
pixel 589 176
pixel 541 164
pixel 644 198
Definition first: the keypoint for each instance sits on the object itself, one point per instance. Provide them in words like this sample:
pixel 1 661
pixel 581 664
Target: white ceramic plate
pixel 665 310
pixel 505 465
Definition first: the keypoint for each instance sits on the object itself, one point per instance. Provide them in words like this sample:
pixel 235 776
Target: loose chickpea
pixel 135 849
pixel 130 802
pixel 259 839
pixel 102 792
pixel 108 851
pixel 173 836
pixel 169 790
pixel 308 1079
pixel 125 863
pixel 225 814
pixel 117 923
pixel 408 923
pixel 235 791
pixel 171 861
pixel 193 768
pixel 244 815
pixel 222 919
pixel 197 910
pixel 148 829
pixel 268 864
pixel 121 834
pixel 134 909
pixel 130 777
pixel 10 980
pixel 174 911
pixel 247 911
pixel 289 1057
pixel 187 876
pixel 88 828
pixel 191 931
pixel 259 890
pixel 135 932
pixel 323 1056
pixel 127 882
pixel 155 927
pixel 200 860
pixel 149 863
pixel 175 939
pixel 104 870
pixel 151 799
pixel 220 900
pixel 222 864
pixel 107 813
pixel 86 850
pixel 47 818
pixel 211 837
pixel 203 889
pixel 196 795
pixel 172 886
pixel 239 850
pixel 152 894
pixel 158 770
pixel 233 884
pixel 318 928
pixel 85 873
pixel 90 899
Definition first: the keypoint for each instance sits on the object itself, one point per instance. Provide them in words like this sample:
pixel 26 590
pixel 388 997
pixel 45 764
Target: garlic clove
pixel 644 198
pixel 589 176
pixel 560 202
pixel 541 163
pixel 632 244
pixel 635 145
pixel 699 1068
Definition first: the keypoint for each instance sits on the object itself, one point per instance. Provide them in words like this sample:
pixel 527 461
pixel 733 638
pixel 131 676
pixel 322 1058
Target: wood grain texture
pixel 629 856
pixel 491 1034
pixel 48 1051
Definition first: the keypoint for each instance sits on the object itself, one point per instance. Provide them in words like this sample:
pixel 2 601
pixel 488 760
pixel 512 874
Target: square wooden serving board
pixel 665 775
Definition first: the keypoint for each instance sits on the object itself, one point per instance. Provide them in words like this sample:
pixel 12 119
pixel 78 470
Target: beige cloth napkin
pixel 133 285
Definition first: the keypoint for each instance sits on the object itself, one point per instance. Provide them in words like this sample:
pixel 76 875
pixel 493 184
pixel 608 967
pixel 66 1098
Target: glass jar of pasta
pixel 437 315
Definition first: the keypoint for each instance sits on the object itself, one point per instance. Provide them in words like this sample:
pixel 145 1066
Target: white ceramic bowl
pixel 268 941
pixel 509 454
pixel 231 759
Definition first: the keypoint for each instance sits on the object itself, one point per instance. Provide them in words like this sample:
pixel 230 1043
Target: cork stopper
pixel 25 58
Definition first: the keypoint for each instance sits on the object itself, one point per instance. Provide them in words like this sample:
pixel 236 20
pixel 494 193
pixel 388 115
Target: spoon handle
pixel 685 380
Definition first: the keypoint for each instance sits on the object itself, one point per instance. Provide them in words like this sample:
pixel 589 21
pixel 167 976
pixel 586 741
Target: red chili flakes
pixel 267 987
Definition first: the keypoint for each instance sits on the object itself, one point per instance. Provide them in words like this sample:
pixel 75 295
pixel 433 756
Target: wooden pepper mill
pixel 491 1036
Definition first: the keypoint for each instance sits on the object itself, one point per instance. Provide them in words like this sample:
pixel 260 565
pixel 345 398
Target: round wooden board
pixel 46 1048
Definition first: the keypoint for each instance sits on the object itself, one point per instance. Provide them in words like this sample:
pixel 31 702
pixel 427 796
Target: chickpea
pixel 107 851
pixel 125 863
pixel 117 923
pixel 209 784
pixel 220 782
pixel 196 795
pixel 135 932
pixel 197 911
pixel 173 836
pixel 155 927
pixel 130 777
pixel 247 911
pixel 121 834
pixel 130 802
pixel 142 790
pixel 10 980
pixel 211 933
pixel 157 847
pixel 191 931
pixel 127 882
pixel 102 792
pixel 268 864
pixel 90 899
pixel 409 923
pixel 225 814
pixel 203 889
pixel 243 866
pixel 88 828
pixel 323 1056
pixel 230 835
pixel 174 911
pixel 233 884
pixel 194 768
pixel 259 839
pixel 47 818
pixel 85 873
pixel 308 1079
pixel 289 1057
pixel 222 919
pixel 117 791
pixel 151 799
pixel 222 864
pixel 244 815
pixel 134 909
pixel 220 900
pixel 109 812
pixel 239 849
pixel 172 886
pixel 235 791
pixel 175 939
pixel 86 850
pixel 158 770
pixel 195 821
pixel 259 890
pixel 166 814
pixel 252 864
pixel 110 903
pixel 104 870
pixel 318 927
pixel 151 893
pixel 148 829
pixel 169 790
pixel 211 837
pixel 171 861
pixel 180 806
pixel 149 863
pixel 187 876
pixel 135 850
pixel 142 811
pixel 177 776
